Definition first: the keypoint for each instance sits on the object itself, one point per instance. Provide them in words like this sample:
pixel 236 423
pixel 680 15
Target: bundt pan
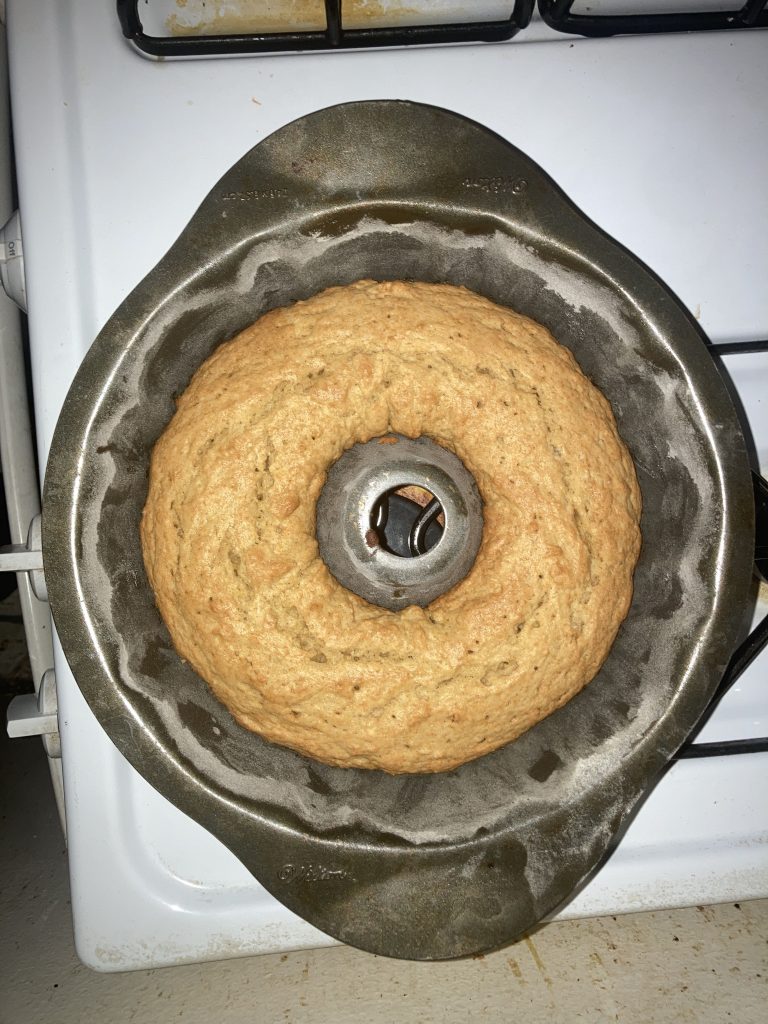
pixel 431 866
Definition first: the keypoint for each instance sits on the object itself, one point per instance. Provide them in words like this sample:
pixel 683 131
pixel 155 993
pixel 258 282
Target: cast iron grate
pixel 334 37
pixel 559 15
pixel 757 640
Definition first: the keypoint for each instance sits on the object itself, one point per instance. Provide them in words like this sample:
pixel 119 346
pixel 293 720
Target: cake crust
pixel 228 530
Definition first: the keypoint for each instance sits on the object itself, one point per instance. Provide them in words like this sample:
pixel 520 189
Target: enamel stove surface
pixel 114 154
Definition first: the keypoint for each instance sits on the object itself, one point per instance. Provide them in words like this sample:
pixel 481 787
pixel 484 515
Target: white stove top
pixel 661 140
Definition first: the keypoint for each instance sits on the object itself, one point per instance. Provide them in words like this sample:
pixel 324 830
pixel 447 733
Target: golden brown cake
pixel 229 542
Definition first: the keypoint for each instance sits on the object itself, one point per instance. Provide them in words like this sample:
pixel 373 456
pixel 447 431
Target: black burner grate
pixel 334 37
pixel 559 15
pixel 758 638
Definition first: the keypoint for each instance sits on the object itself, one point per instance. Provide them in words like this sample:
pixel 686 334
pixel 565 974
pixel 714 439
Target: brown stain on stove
pixel 537 960
pixel 231 17
pixel 514 966
pixel 416 494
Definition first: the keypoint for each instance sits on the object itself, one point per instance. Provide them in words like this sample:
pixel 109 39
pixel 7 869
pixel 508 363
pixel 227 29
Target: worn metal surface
pixel 346 508
pixel 421 866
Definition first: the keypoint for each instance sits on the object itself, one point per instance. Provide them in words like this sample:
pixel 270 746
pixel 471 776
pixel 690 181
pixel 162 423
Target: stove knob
pixel 12 261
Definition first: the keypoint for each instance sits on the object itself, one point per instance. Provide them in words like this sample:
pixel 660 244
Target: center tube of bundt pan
pixel 399 520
